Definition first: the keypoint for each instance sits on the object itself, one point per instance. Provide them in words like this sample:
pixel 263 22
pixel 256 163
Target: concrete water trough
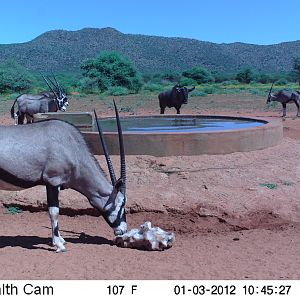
pixel 166 135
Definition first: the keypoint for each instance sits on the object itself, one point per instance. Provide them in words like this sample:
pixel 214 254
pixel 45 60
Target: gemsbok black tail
pixel 12 110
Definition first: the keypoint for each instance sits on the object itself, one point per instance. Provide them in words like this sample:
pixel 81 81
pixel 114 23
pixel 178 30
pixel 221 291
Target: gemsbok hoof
pixel 59 250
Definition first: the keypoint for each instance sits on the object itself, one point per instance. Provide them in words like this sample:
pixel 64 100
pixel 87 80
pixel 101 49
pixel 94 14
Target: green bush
pixel 89 85
pixel 171 76
pixel 117 91
pixel 209 90
pixel 223 77
pixel 184 81
pixel 281 81
pixel 264 78
pixel 296 68
pixel 153 87
pixel 245 76
pixel 230 82
pixel 110 69
pixel 200 75
pixel 14 77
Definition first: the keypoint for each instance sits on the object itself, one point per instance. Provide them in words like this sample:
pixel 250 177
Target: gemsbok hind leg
pixel 298 108
pixel 53 208
pixel 21 118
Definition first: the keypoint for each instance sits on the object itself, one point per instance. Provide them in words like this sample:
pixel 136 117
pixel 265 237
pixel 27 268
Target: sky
pixel 261 22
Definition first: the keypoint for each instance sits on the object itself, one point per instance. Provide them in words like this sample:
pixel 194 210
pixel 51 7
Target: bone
pixel 146 238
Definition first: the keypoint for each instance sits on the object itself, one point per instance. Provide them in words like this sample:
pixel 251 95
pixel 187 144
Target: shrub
pixel 88 85
pixel 209 90
pixel 200 75
pixel 223 77
pixel 230 82
pixel 264 78
pixel 14 77
pixel 184 81
pixel 245 76
pixel 153 87
pixel 117 91
pixel 281 81
pixel 111 69
pixel 171 76
pixel 296 67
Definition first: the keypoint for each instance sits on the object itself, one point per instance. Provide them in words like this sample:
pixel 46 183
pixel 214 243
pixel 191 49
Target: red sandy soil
pixel 227 224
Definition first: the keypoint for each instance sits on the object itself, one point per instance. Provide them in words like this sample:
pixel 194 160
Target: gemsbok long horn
pixel 57 85
pixel 122 151
pixel 104 146
pixel 271 89
pixel 50 87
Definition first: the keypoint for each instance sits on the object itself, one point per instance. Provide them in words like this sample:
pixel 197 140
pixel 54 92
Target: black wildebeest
pixel 284 97
pixel 47 101
pixel 54 153
pixel 174 98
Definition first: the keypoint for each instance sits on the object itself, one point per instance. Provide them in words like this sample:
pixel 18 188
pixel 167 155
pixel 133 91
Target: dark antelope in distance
pixel 174 98
pixel 284 97
pixel 47 101
pixel 53 153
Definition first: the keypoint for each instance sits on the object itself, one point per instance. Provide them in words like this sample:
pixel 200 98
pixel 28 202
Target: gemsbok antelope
pixel 47 101
pixel 54 153
pixel 284 97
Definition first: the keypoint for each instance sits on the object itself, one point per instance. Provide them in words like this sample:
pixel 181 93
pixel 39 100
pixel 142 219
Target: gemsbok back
pixel 47 101
pixel 54 153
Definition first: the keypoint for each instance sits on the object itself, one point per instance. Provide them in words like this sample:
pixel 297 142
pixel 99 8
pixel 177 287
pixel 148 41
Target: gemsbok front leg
pixel 283 110
pixel 53 208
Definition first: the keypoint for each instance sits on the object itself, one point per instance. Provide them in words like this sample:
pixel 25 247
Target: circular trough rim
pixel 267 123
pixel 161 144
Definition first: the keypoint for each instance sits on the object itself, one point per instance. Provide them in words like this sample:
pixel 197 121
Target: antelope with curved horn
pixel 284 97
pixel 60 160
pixel 48 101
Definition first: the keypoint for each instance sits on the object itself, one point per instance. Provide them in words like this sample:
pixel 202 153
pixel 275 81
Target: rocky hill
pixel 61 50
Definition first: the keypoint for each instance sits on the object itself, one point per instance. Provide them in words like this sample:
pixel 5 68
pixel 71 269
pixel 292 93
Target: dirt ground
pixel 235 216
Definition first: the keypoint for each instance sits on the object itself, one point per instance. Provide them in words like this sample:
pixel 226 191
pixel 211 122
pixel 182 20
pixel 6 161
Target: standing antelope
pixel 284 97
pixel 29 104
pixel 54 153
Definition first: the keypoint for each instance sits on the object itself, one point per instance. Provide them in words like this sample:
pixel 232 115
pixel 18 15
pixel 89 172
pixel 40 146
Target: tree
pixel 14 77
pixel 296 67
pixel 245 76
pixel 110 69
pixel 200 75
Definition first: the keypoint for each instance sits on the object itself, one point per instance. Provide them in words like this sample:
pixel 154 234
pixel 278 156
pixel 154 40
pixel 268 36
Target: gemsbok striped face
pixel 115 214
pixel 62 102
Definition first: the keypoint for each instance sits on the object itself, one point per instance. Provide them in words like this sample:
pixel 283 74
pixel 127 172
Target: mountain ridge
pixel 63 51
